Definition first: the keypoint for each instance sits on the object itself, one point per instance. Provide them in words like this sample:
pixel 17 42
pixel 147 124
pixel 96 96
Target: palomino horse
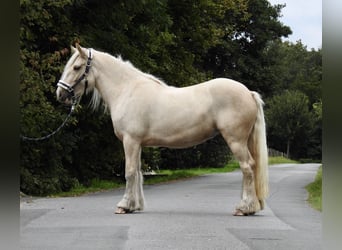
pixel 147 112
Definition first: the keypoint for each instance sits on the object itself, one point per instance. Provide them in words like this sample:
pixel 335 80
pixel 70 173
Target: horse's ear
pixel 81 51
pixel 73 49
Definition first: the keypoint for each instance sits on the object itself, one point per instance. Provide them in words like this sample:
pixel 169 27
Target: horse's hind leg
pixel 133 198
pixel 249 203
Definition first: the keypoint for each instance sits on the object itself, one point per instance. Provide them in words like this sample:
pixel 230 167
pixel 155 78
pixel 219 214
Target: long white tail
pixel 257 146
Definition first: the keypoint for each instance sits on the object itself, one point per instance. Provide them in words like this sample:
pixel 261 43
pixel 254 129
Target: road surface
pixel 190 214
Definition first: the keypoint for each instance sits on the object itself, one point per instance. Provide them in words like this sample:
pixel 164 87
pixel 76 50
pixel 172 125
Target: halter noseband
pixel 70 88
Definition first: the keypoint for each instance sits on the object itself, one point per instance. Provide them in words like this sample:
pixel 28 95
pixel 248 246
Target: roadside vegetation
pixel 96 185
pixel 161 176
pixel 180 42
pixel 314 188
pixel 315 191
pixel 170 175
pixel 280 160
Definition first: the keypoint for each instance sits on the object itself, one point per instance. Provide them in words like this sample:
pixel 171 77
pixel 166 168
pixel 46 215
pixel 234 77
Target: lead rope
pixel 70 89
pixel 26 138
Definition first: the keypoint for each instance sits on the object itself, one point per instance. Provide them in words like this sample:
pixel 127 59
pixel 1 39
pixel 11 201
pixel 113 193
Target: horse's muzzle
pixel 64 97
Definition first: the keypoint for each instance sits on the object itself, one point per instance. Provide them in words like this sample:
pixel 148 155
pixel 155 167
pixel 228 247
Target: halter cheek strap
pixel 70 88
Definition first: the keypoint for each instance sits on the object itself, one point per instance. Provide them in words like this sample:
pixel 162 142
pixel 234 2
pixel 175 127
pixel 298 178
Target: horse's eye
pixel 77 67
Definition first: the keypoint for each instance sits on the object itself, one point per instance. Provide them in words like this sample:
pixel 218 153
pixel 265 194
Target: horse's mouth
pixel 67 99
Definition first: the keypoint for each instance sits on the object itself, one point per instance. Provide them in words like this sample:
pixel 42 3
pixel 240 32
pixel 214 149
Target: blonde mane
pixel 130 66
pixel 96 99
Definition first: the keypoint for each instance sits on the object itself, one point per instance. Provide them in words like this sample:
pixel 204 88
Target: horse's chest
pixel 128 125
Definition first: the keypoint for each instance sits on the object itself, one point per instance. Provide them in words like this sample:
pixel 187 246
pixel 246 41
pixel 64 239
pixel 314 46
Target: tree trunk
pixel 288 149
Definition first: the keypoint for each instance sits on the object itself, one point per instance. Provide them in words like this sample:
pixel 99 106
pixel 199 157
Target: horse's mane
pixel 96 99
pixel 136 70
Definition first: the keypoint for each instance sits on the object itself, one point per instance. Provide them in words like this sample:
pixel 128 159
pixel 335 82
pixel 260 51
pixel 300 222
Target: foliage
pixel 44 166
pixel 161 176
pixel 315 143
pixel 279 160
pixel 242 54
pixel 298 71
pixel 182 42
pixel 289 122
pixel 315 191
pixel 213 153
pixel 96 185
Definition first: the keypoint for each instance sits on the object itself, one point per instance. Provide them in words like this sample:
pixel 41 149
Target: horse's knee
pixel 130 174
pixel 246 169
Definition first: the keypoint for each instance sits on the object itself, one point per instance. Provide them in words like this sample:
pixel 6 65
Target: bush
pixel 213 153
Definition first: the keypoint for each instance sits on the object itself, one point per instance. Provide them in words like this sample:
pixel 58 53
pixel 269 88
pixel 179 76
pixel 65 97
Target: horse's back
pixel 210 101
pixel 227 87
pixel 229 95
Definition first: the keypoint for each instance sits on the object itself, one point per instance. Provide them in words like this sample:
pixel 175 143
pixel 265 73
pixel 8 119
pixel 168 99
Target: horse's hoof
pixel 121 210
pixel 239 212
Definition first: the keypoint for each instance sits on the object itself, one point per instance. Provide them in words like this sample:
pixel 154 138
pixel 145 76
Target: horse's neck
pixel 114 76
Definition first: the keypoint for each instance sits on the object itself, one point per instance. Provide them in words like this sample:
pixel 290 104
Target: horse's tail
pixel 258 148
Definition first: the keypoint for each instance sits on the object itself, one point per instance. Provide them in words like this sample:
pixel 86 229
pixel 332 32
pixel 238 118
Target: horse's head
pixel 76 77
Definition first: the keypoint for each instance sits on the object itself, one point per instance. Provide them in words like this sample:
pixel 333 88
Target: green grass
pixel 163 176
pixel 315 191
pixel 95 186
pixel 170 175
pixel 279 160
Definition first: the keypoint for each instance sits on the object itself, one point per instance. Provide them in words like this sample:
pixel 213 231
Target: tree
pixel 289 122
pixel 315 146
pixel 296 68
pixel 241 53
pixel 182 42
pixel 44 166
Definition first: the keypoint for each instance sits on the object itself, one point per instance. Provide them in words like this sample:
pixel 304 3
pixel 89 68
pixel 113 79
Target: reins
pixel 70 88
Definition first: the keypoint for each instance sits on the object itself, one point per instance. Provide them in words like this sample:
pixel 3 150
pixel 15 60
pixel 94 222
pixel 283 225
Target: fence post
pixel 274 153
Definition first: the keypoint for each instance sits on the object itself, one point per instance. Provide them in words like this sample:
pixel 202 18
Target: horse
pixel 146 112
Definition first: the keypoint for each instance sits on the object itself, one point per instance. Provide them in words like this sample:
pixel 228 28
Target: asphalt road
pixel 191 214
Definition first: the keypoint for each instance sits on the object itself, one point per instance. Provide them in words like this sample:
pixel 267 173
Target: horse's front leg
pixel 133 198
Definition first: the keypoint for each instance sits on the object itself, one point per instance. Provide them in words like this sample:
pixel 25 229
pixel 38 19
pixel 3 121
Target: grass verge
pixel 96 185
pixel 163 176
pixel 315 191
pixel 170 175
pixel 280 160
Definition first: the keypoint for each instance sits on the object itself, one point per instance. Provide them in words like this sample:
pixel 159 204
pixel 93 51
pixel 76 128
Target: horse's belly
pixel 181 137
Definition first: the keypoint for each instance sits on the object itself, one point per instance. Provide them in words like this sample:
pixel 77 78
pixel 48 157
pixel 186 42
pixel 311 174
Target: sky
pixel 304 17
